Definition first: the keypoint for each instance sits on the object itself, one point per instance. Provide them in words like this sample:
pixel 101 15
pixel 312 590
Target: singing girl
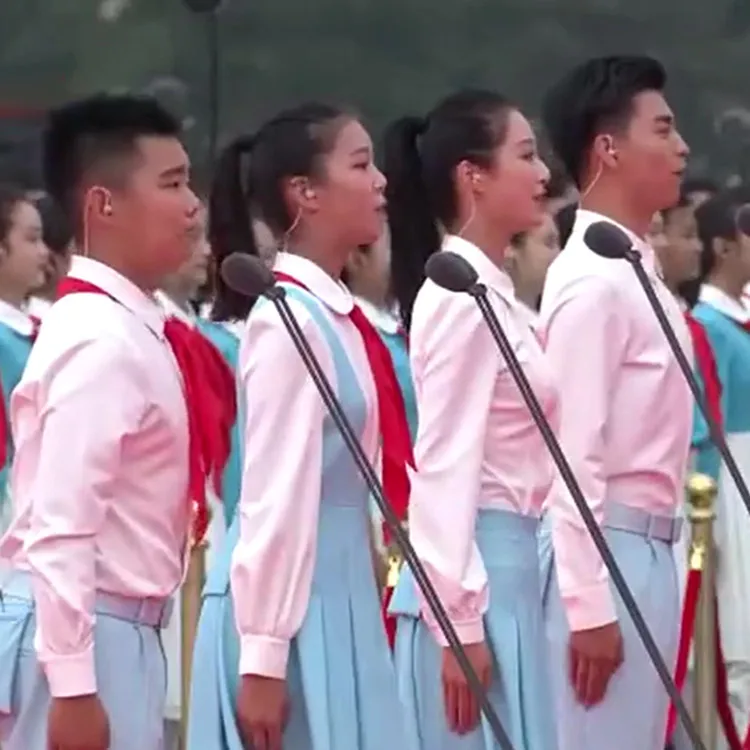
pixel 23 260
pixel 482 471
pixel 296 657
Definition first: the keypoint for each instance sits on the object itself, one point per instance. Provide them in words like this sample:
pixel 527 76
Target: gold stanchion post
pixel 190 607
pixel 702 498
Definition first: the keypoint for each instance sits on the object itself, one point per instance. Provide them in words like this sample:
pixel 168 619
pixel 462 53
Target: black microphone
pixel 248 275
pixel 607 240
pixel 454 273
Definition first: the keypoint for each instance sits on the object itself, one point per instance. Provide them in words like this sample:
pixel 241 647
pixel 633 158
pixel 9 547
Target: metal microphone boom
pixel 248 275
pixel 454 273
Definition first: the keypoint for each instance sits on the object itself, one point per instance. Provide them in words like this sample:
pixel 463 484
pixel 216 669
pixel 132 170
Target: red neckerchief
pixel 394 426
pixel 706 362
pixel 210 398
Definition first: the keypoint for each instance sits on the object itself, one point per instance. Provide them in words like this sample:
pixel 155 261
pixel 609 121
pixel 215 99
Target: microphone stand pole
pixel 479 292
pixel 717 435
pixel 277 295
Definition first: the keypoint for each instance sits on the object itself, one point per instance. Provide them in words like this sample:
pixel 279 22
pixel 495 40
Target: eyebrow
pixel 664 119
pixel 362 150
pixel 179 171
pixel 530 141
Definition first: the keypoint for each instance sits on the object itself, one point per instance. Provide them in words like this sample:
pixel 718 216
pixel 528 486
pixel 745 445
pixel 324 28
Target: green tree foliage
pixel 385 57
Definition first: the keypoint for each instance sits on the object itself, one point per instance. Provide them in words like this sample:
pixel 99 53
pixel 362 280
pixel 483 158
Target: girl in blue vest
pixel 291 652
pixel 23 259
pixel 725 270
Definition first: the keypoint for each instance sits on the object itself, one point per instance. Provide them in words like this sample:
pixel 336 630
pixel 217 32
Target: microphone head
pixel 607 240
pixel 743 220
pixel 451 271
pixel 247 275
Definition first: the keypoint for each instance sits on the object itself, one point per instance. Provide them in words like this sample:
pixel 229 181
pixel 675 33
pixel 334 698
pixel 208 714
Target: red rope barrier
pixel 722 695
pixel 687 628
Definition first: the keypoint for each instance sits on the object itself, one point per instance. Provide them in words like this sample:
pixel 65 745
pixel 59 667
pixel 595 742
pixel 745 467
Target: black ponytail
pixel 413 231
pixel 420 160
pixel 230 228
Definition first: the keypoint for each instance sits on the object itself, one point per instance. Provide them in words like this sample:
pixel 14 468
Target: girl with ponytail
pixel 291 651
pixel 466 179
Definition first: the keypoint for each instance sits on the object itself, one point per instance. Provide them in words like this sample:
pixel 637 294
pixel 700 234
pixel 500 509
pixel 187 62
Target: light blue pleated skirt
pixel 520 691
pixel 340 679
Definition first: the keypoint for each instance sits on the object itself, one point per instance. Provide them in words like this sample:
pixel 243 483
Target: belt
pixel 641 522
pixel 149 611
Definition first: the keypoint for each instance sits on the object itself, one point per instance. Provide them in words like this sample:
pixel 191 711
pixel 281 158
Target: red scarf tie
pixel 210 397
pixel 394 427
pixel 706 363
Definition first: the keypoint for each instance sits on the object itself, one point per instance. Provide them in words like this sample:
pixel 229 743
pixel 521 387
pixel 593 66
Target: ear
pixel 605 151
pixel 302 195
pixel 469 176
pixel 98 200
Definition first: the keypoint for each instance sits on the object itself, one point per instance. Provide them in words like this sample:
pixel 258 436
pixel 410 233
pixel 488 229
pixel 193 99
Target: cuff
pixel 264 655
pixel 468 632
pixel 70 675
pixel 589 607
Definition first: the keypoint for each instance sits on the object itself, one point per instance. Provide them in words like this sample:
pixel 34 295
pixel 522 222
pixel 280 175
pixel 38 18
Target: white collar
pixel 121 289
pixel 383 320
pixel 585 218
pixel 489 274
pixel 172 309
pixel 329 291
pixel 726 305
pixel 16 319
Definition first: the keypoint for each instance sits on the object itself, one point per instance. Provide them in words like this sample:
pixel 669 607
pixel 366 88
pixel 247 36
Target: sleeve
pixel 455 364
pixel 89 402
pixel 272 565
pixel 586 333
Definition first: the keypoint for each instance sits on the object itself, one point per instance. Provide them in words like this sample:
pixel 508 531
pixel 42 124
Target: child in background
pixel 57 235
pixel 23 262
pixel 527 259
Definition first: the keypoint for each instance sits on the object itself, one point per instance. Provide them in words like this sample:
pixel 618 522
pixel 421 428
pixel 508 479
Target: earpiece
pixel 611 150
pixel 107 207
pixel 309 193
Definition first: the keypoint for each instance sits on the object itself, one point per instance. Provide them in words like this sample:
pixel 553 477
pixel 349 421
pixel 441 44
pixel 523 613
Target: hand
pixel 595 655
pixel 262 711
pixel 77 723
pixel 462 710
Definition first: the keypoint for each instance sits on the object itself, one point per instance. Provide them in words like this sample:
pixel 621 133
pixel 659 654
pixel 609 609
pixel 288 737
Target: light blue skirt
pixel 520 690
pixel 340 679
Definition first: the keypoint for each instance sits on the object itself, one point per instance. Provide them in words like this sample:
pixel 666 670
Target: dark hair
pixel 717 219
pixel 593 97
pixel 10 197
pixel 420 158
pixel 559 183
pixel 56 230
pixel 565 218
pixel 699 185
pixel 89 136
pixel 291 144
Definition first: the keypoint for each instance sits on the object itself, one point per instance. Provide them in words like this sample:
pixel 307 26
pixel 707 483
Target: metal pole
pixel 702 492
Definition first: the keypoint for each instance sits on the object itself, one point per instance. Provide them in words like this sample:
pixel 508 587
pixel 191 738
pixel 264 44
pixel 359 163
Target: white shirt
pixel 100 478
pixel 273 561
pixel 626 409
pixel 477 445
